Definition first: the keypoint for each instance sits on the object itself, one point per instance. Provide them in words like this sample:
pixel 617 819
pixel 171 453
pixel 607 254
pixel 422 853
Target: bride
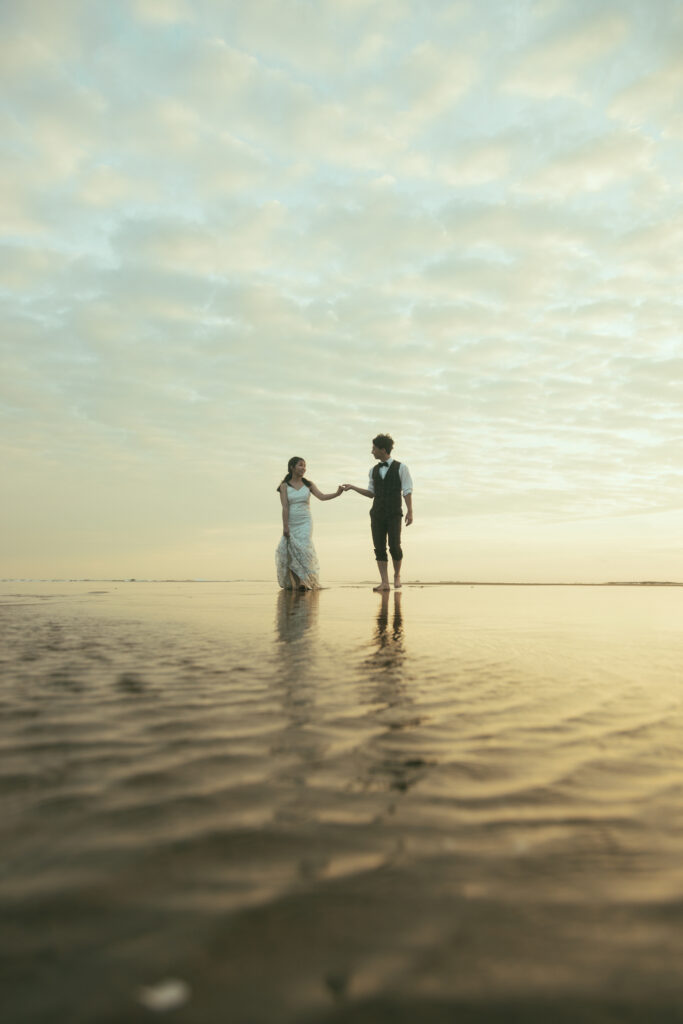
pixel 296 560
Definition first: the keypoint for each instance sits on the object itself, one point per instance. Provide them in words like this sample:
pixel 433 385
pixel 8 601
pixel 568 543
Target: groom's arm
pixel 358 490
pixel 407 488
pixel 368 492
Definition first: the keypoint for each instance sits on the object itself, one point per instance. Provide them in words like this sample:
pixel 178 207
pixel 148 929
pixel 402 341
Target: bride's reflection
pixel 296 618
pixel 296 613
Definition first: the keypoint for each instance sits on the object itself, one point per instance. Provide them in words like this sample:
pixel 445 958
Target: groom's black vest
pixel 387 501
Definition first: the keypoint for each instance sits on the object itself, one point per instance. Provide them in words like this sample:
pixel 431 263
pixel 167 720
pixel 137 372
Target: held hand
pixel 346 487
pixel 409 518
pixel 338 491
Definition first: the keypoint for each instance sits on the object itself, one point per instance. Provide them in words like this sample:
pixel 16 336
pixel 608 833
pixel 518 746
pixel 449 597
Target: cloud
pixel 555 65
pixel 105 187
pixel 478 163
pixel 20 208
pixel 318 42
pixel 428 83
pixel 25 269
pixel 161 12
pixel 597 164
pixel 653 101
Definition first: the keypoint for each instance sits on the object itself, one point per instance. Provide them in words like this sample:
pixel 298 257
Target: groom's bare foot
pixel 382 586
pixel 397 582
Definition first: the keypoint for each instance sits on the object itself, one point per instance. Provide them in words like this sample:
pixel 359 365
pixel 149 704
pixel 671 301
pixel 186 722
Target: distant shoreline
pixel 363 583
pixel 611 583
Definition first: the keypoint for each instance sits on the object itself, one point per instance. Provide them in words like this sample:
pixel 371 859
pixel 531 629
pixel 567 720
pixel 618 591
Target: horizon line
pixel 347 583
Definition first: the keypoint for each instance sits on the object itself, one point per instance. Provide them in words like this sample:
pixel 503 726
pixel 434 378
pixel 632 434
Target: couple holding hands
pixel 389 483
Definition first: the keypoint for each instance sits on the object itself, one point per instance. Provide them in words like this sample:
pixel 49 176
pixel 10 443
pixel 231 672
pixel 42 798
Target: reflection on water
pixel 296 619
pixel 296 612
pixel 396 763
pixel 294 681
pixel 387 650
pixel 396 634
pixel 405 804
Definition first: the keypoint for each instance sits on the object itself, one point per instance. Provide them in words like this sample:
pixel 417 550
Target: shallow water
pixel 456 802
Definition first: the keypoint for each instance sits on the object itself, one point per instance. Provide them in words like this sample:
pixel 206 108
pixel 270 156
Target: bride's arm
pixel 325 497
pixel 285 509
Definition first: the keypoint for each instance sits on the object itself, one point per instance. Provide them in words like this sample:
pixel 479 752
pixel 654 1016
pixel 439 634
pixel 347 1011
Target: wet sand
pixel 456 803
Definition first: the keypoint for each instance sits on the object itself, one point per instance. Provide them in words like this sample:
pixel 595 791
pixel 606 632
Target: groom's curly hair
pixel 385 441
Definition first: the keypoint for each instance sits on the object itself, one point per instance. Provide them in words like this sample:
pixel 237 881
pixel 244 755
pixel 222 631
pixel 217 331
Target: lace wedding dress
pixel 296 554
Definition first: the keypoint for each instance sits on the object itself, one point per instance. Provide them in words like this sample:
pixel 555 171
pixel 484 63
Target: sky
pixel 238 232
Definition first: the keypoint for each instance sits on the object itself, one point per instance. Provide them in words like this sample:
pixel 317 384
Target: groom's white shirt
pixel 403 472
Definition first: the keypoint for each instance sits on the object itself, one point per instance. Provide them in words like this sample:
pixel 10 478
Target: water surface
pixel 450 803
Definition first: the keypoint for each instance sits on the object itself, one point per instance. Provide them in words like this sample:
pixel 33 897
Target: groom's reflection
pixel 397 762
pixel 390 641
pixel 385 663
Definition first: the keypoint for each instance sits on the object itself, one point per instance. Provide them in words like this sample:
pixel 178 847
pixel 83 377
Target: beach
pixel 225 802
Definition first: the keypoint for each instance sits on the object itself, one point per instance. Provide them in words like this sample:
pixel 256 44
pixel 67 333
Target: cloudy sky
pixel 236 232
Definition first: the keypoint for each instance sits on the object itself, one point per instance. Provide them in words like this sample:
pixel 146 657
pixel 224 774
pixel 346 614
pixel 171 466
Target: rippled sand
pixel 457 803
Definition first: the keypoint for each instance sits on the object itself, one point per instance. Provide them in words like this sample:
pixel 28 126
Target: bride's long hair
pixel 290 466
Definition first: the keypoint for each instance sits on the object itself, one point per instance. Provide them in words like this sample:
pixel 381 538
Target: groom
pixel 387 481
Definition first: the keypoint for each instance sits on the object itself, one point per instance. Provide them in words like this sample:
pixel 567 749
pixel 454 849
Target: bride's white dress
pixel 296 552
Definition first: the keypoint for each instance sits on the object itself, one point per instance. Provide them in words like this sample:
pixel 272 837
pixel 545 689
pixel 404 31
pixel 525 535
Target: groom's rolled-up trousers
pixel 386 528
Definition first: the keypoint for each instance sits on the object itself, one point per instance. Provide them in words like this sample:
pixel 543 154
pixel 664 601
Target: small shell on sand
pixel 165 995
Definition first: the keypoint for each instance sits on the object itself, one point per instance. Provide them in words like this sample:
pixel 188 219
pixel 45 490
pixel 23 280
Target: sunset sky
pixel 236 232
